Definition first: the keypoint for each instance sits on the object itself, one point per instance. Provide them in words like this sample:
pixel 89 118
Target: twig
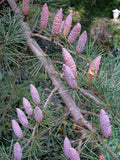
pixel 56 122
pixel 48 99
pixel 32 136
pixel 90 113
pixel 58 62
pixel 92 97
pixel 47 39
pixel 55 42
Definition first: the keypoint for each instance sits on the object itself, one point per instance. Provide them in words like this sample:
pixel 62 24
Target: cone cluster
pixel 22 118
pixel 61 27
pixel 70 152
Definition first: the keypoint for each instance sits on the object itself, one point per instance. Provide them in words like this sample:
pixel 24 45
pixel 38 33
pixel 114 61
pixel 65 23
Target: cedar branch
pixel 35 48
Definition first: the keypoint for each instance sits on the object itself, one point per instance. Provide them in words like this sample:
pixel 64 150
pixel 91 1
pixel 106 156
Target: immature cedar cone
pixel 101 157
pixel 25 7
pixel 34 94
pixel 105 124
pixel 22 117
pixel 17 130
pixel 94 67
pixel 44 16
pixel 67 146
pixel 69 61
pixel 81 42
pixel 61 27
pixel 74 155
pixel 57 23
pixel 27 106
pixel 17 150
pixel 69 76
pixel 74 33
pixel 38 114
pixel 67 25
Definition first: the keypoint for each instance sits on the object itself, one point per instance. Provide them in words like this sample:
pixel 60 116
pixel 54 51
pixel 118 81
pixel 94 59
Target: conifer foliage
pixel 31 116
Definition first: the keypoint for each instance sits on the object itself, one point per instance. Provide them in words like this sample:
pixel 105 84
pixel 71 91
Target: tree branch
pixel 35 48
pixel 55 42
pixel 48 99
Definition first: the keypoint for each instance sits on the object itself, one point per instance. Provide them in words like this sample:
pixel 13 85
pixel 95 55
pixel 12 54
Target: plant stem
pixel 55 42
pixel 48 99
pixel 92 97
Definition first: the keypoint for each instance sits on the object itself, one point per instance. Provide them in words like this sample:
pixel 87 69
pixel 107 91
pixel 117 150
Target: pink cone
pixel 94 67
pixel 67 25
pixel 81 42
pixel 57 23
pixel 74 155
pixel 25 7
pixel 61 27
pixel 17 150
pixel 44 16
pixel 34 94
pixel 74 33
pixel 69 61
pixel 105 124
pixel 27 106
pixel 17 130
pixel 67 146
pixel 22 117
pixel 69 76
pixel 38 114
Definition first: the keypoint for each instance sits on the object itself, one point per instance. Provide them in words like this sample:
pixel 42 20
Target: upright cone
pixel 25 6
pixel 38 114
pixel 17 150
pixel 34 94
pixel 105 124
pixel 69 61
pixel 22 117
pixel 44 16
pixel 61 27
pixel 81 42
pixel 74 155
pixel 57 23
pixel 94 67
pixel 74 33
pixel 27 106
pixel 67 146
pixel 69 76
pixel 67 25
pixel 17 130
